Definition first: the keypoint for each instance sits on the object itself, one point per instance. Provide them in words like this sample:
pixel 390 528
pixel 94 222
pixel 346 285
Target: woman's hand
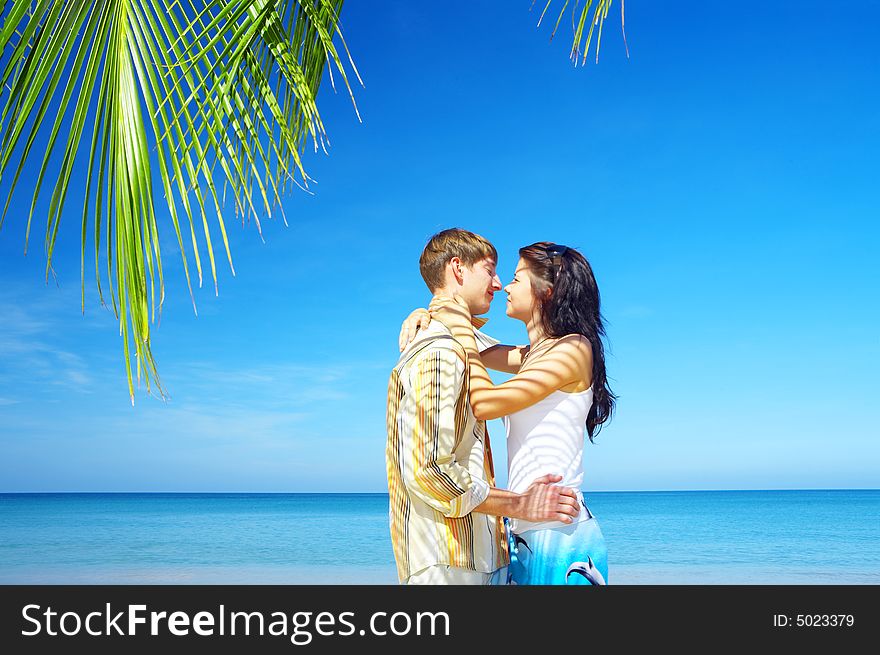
pixel 418 320
pixel 452 312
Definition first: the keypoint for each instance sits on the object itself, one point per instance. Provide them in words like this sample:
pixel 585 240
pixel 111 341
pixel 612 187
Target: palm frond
pixel 185 96
pixel 580 47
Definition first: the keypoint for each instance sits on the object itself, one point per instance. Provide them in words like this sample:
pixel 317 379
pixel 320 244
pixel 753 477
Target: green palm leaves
pixel 211 101
pixel 160 92
pixel 580 47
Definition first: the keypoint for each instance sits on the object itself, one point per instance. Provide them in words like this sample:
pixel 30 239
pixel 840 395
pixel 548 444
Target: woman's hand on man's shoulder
pixel 417 320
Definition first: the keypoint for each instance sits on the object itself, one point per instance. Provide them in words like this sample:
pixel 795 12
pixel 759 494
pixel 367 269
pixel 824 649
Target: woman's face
pixel 521 302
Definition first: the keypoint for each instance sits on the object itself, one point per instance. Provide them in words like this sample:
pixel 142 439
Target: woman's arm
pixel 557 368
pixel 565 362
pixel 503 358
pixel 506 359
pixel 417 320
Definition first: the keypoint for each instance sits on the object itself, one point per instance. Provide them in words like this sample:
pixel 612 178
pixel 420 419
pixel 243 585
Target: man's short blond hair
pixel 443 246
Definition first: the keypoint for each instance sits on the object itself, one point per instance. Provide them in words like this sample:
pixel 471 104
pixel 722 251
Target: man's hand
pixel 418 320
pixel 544 501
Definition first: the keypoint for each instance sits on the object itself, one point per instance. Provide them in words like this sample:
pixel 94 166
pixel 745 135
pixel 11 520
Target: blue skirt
pixel 570 555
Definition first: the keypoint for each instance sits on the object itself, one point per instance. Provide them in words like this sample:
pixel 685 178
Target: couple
pixel 446 515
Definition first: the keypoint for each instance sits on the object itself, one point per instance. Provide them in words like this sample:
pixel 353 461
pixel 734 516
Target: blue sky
pixel 722 182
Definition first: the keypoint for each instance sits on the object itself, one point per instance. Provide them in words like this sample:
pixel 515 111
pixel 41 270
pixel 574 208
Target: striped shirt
pixel 439 462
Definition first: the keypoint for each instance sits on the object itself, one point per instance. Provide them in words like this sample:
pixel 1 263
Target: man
pixel 445 512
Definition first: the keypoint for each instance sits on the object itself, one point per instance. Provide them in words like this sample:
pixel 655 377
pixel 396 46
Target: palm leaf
pixel 580 47
pixel 185 96
pixel 182 94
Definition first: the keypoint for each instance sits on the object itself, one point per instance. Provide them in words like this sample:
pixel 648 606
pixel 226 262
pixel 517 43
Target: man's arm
pixel 430 471
pixel 542 501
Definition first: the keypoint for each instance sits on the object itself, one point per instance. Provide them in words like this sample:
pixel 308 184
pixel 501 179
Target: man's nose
pixel 496 283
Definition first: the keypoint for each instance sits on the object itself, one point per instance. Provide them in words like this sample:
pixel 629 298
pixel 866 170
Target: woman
pixel 558 387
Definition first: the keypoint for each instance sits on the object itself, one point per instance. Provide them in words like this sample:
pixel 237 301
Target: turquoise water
pixel 694 537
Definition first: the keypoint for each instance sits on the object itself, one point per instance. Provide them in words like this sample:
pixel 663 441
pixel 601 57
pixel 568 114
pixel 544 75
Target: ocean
pixel 674 537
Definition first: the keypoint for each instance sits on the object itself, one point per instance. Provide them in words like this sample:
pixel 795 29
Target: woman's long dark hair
pixel 572 308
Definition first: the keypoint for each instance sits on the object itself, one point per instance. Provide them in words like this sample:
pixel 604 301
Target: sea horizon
pixel 745 536
pixel 385 493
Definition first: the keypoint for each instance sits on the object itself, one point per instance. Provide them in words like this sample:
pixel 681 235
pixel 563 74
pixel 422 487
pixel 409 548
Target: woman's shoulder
pixel 570 344
pixel 576 352
pixel 574 342
pixel 569 348
pixel 575 347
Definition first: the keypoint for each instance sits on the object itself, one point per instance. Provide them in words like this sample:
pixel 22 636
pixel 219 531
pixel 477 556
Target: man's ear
pixel 456 264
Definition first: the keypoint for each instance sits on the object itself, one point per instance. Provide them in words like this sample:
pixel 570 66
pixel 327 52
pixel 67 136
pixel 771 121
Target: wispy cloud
pixel 33 337
pixel 287 384
pixel 214 423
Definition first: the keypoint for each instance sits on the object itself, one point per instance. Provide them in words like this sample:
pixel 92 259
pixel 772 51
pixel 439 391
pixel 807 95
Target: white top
pixel 548 437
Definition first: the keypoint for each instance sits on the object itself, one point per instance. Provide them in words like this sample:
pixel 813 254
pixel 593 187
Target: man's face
pixel 479 284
